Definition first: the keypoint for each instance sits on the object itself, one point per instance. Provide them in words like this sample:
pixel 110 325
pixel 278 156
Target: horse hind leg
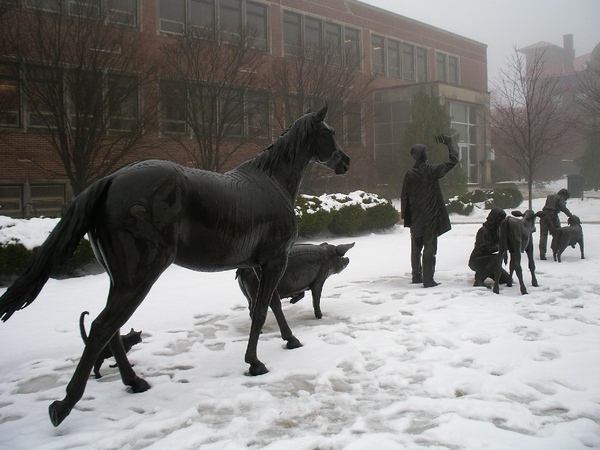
pixel 121 304
pixel 284 328
pixel 515 265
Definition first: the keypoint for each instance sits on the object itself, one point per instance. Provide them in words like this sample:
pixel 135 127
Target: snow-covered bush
pixel 344 214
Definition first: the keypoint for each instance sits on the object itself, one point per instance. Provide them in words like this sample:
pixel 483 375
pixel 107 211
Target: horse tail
pixel 56 250
pixel 82 327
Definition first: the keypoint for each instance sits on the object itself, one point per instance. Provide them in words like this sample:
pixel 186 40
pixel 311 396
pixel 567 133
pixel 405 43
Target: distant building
pixel 561 64
pixel 399 52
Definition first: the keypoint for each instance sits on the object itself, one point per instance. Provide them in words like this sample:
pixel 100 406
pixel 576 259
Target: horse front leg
pixel 270 275
pixel 284 328
pixel 529 251
pixel 498 272
pixel 515 266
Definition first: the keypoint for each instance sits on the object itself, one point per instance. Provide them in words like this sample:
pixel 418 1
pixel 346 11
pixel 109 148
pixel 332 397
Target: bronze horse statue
pixel 151 214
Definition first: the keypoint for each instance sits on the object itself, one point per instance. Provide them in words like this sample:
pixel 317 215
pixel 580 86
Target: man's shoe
pixel 543 257
pixel 431 284
pixel 416 281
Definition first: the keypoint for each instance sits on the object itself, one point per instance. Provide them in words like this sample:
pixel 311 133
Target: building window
pixel 47 197
pixel 377 55
pixel 235 18
pixel 257 24
pixel 172 16
pixel 257 114
pixel 10 96
pixel 394 59
pixel 122 103
pixel 440 67
pixel 397 59
pixel 44 87
pixel 352 47
pixel 122 12
pixel 422 66
pixel 354 123
pixel 333 41
pixel 173 101
pixel 447 69
pixel 408 62
pixel 11 200
pixel 239 113
pixel 291 33
pixel 464 122
pixel 202 16
pixel 230 19
pixel 452 70
pixel 315 35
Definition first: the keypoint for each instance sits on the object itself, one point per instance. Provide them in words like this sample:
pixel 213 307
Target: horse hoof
pixel 257 369
pixel 139 385
pixel 58 411
pixel 293 342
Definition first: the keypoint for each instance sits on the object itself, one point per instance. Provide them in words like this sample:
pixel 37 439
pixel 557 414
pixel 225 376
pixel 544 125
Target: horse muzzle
pixel 339 162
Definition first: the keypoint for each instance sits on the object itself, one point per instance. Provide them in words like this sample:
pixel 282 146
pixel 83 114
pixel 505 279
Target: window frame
pixel 346 49
pixel 245 9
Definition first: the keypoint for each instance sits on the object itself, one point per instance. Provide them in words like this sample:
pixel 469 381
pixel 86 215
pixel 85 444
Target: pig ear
pixel 341 249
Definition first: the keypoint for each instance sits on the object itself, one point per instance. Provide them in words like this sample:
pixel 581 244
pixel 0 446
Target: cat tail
pixel 57 249
pixel 82 327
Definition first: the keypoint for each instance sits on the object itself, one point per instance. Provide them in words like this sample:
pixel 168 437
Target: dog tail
pixel 82 327
pixel 56 250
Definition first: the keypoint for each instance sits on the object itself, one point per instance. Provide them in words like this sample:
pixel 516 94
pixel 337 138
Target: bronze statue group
pixel 424 212
pixel 151 214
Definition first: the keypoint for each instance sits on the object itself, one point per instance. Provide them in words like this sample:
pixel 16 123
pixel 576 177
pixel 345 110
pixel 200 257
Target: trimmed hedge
pixel 489 198
pixel 341 214
pixel 15 258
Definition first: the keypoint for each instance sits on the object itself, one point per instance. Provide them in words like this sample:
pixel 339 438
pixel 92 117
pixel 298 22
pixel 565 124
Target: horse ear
pixel 322 113
pixel 308 109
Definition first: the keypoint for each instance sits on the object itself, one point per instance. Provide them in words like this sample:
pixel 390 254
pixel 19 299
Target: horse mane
pixel 285 148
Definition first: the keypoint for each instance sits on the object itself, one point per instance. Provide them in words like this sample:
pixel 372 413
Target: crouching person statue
pixel 484 257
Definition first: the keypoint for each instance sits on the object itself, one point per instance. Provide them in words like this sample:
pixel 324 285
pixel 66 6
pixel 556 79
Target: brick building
pixel 396 54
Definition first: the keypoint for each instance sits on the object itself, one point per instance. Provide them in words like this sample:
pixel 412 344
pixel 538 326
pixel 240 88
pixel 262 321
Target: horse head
pixel 326 150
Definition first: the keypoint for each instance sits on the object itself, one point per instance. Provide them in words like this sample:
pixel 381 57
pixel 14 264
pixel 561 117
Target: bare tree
pixel 210 82
pixel 318 73
pixel 530 119
pixel 81 72
pixel 589 88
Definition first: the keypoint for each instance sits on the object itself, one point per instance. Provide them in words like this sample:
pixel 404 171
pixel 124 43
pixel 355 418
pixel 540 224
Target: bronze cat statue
pixel 129 340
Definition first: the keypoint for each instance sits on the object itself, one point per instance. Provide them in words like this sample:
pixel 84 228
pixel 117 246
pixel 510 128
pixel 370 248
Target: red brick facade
pixel 27 159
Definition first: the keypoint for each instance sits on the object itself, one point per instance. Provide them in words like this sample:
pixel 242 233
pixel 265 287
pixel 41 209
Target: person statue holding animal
pixel 484 257
pixel 423 209
pixel 555 203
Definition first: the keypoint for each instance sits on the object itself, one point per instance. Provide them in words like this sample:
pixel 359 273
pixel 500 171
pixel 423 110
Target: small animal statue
pixel 564 237
pixel 308 268
pixel 129 340
pixel 515 237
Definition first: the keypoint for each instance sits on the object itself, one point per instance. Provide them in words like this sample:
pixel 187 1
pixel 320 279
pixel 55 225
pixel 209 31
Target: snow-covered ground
pixel 390 366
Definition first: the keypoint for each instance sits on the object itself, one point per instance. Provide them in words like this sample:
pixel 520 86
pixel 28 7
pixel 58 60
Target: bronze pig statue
pixel 308 267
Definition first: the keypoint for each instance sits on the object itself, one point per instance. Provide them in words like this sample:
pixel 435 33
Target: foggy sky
pixel 504 24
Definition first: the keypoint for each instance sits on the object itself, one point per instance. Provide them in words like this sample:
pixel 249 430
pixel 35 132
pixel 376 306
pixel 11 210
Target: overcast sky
pixel 504 24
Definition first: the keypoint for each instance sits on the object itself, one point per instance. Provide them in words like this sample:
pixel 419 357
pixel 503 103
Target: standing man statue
pixel 423 209
pixel 554 204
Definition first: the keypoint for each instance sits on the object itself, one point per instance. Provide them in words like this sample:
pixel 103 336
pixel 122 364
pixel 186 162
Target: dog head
pixel 573 221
